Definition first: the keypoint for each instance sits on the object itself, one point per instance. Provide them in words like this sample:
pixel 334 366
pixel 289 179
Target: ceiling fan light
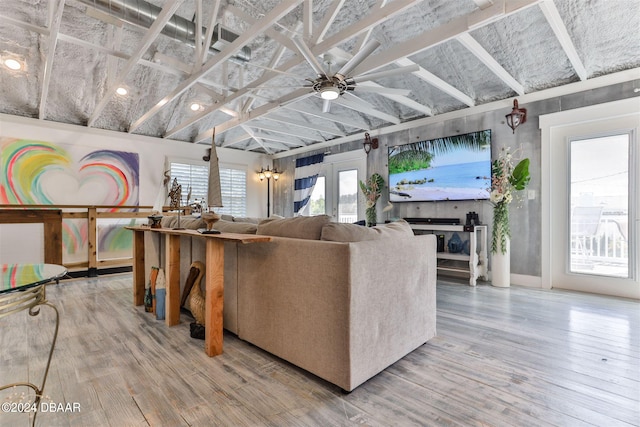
pixel 330 93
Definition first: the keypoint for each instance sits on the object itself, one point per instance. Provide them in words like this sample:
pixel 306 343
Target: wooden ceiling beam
pixel 552 15
pixel 259 141
pixel 397 7
pixel 260 111
pixel 357 124
pixel 272 17
pixel 327 21
pixel 283 130
pixel 400 99
pixel 304 125
pixel 355 103
pixel 163 17
pixel 489 61
pixel 48 62
pixel 437 82
pixel 438 35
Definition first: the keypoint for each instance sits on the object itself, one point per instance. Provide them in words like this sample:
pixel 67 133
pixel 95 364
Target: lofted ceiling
pixel 252 86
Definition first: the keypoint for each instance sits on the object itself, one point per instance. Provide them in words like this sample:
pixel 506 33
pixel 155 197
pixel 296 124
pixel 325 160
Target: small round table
pixel 22 287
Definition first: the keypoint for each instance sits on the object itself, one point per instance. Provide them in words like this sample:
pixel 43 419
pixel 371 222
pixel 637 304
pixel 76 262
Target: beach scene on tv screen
pixel 451 168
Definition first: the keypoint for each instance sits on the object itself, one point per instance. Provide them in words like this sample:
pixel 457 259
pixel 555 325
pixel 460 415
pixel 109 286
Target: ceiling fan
pixel 331 86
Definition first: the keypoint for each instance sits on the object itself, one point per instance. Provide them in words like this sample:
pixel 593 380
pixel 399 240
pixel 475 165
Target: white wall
pixel 152 153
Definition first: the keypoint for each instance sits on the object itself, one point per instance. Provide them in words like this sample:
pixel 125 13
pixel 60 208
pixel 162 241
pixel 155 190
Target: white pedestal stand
pixel 501 267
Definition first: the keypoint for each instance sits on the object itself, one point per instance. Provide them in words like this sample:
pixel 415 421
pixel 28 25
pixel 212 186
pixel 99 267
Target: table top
pixel 231 237
pixel 22 276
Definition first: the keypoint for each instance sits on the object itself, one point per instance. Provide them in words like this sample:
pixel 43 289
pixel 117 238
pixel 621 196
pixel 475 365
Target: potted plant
pixel 505 179
pixel 372 189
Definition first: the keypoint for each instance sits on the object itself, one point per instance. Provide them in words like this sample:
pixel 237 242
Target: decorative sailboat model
pixel 214 193
pixel 156 216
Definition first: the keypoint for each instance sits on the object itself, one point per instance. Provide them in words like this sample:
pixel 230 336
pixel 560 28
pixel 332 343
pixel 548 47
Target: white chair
pixel 585 227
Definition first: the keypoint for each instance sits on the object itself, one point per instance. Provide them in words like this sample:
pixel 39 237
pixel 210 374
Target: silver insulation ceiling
pixel 251 89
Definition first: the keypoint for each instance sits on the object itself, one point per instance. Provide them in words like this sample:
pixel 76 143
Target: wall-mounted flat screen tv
pixel 452 168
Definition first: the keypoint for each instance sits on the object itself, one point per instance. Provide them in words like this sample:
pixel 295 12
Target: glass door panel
pixel 317 205
pixel 599 197
pixel 348 195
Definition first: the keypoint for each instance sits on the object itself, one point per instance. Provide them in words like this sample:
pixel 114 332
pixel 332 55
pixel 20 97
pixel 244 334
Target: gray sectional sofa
pixel 341 301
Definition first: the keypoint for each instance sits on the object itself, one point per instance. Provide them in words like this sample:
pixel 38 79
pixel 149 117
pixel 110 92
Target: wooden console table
pixel 477 257
pixel 214 262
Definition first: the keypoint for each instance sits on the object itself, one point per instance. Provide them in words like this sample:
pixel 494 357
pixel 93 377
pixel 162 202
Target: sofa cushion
pixel 252 220
pixel 300 227
pixel 337 232
pixel 189 222
pixel 235 227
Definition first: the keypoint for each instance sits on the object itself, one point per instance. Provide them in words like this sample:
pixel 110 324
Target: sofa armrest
pixel 393 301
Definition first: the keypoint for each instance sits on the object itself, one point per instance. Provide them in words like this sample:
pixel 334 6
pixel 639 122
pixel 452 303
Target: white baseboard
pixel 527 281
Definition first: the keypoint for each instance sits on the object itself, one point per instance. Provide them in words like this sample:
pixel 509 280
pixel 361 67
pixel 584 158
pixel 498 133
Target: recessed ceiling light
pixel 13 64
pixel 122 91
pixel 195 107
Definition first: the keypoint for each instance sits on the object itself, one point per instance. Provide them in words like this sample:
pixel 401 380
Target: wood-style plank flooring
pixel 502 357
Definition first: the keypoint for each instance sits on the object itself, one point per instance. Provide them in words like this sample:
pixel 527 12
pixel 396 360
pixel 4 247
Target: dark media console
pixel 441 221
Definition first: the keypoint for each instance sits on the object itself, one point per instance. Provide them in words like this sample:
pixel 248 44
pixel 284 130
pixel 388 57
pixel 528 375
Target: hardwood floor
pixel 502 357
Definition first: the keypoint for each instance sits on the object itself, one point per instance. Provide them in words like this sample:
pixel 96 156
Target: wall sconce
pixel 516 117
pixel 268 174
pixel 369 143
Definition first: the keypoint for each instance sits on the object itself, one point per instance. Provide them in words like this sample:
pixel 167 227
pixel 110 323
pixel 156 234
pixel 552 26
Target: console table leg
pixel 214 297
pixel 172 277
pixel 138 267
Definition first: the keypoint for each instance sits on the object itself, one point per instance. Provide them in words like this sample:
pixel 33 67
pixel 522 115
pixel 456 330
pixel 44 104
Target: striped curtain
pixel 306 175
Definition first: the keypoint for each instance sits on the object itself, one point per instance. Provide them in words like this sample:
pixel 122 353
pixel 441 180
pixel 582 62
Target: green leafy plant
pixel 372 190
pixel 505 179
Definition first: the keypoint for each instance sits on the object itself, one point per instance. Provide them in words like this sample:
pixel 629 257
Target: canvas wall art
pixel 45 173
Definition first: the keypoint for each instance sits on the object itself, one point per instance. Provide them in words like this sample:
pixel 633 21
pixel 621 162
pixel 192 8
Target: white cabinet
pixel 477 259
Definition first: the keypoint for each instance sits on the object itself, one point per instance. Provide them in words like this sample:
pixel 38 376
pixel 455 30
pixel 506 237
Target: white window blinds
pixel 190 176
pixel 233 183
pixel 234 192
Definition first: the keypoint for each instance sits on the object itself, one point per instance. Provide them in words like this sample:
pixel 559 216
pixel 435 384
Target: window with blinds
pixel 233 183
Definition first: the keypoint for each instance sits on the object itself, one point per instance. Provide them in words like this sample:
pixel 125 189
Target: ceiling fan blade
pixel 275 70
pixel 382 90
pixel 279 87
pixel 352 100
pixel 291 101
pixel 309 56
pixel 326 105
pixel 358 58
pixel 387 73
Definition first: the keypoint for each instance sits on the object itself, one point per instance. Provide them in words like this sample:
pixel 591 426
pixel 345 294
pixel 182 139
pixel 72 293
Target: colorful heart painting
pixel 43 173
pixel 37 172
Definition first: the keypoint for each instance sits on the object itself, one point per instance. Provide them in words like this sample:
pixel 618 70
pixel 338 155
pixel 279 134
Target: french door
pixel 593 204
pixel 337 192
